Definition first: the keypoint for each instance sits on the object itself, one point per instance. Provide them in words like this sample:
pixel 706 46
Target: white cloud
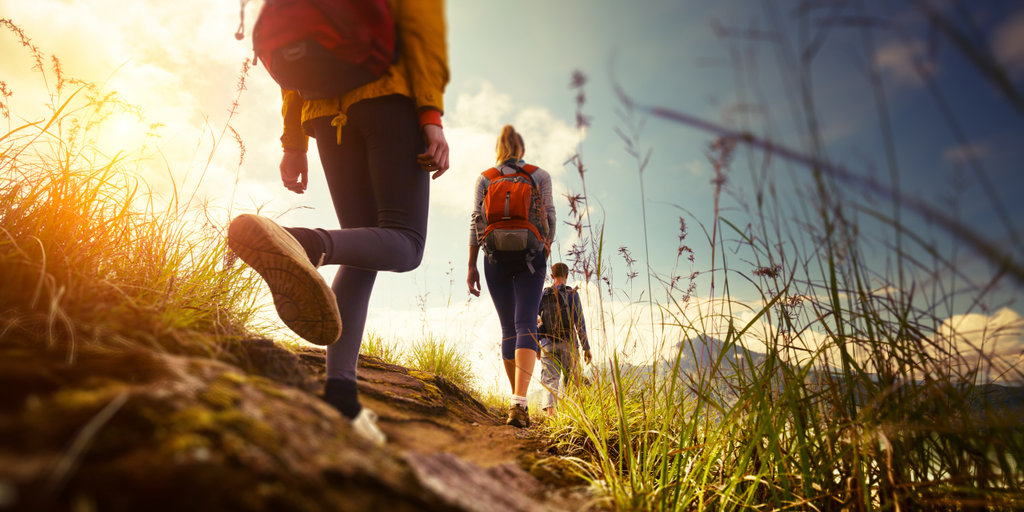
pixel 1008 44
pixel 900 62
pixel 990 347
pixel 472 129
pixel 178 63
pixel 886 290
pixel 991 344
pixel 484 110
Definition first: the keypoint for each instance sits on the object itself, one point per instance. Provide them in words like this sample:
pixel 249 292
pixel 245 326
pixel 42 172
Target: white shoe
pixel 365 425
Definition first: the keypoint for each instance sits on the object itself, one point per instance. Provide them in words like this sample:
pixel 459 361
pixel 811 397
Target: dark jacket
pixel 577 328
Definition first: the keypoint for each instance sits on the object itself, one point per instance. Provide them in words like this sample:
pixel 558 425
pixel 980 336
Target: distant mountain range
pixel 697 354
pixel 1002 397
pixel 988 399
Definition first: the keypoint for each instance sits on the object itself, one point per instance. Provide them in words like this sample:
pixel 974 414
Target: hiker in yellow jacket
pixel 378 144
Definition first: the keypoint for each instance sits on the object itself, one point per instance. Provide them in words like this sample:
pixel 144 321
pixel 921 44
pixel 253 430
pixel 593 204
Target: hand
pixel 295 171
pixel 587 356
pixel 473 280
pixel 435 159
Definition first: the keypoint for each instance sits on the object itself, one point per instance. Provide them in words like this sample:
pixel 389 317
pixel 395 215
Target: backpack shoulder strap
pixel 527 170
pixel 491 173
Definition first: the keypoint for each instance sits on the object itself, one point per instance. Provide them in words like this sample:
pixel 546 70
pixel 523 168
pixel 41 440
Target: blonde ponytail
pixel 510 144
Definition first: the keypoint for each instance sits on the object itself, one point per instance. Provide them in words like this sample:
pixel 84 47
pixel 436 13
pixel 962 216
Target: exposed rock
pixel 139 430
pixel 266 358
pixel 465 486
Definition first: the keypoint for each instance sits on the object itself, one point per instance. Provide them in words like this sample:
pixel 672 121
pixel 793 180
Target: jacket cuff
pixel 291 142
pixel 430 115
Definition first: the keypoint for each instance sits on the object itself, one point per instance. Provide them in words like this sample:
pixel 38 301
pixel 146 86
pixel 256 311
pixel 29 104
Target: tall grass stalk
pixel 377 346
pixel 88 260
pixel 440 357
pixel 862 395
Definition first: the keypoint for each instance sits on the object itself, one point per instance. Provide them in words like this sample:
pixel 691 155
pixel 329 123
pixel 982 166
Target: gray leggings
pixel 380 195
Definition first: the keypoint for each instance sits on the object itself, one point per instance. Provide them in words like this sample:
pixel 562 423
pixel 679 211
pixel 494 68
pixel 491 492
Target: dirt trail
pixel 428 416
pixel 138 429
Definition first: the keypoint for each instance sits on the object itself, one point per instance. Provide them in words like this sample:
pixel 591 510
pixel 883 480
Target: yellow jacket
pixel 420 72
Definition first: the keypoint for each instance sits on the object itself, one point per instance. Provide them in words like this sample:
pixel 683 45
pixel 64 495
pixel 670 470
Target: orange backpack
pixel 514 214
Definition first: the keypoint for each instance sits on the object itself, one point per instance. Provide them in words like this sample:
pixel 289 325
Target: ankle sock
pixel 344 396
pixel 521 401
pixel 311 242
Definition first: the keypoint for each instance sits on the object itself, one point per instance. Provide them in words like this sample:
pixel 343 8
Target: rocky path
pixel 458 447
pixel 141 430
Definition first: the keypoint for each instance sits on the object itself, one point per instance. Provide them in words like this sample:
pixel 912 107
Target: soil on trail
pixel 423 413
pixel 143 430
pixel 427 416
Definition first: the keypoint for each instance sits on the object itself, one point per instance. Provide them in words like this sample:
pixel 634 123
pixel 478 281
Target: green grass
pixel 429 354
pixel 870 415
pixel 496 400
pixel 441 357
pixel 377 346
pixel 93 260
pixel 89 260
pixel 864 400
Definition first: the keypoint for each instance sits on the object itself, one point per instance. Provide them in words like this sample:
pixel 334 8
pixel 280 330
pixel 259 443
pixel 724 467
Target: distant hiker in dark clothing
pixel 562 330
pixel 378 144
pixel 513 218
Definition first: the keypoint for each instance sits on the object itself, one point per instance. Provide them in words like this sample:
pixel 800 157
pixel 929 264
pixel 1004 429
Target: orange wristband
pixel 430 115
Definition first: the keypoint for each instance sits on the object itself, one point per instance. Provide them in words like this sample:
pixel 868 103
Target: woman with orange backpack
pixel 513 220
pixel 378 143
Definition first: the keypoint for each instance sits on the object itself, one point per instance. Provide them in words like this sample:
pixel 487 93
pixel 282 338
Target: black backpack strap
pixel 529 175
pixel 565 301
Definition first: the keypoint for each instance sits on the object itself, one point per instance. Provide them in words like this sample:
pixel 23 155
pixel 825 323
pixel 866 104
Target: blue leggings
pixel 380 195
pixel 516 294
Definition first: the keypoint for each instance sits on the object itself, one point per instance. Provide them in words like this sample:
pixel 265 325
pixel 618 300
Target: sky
pixel 741 65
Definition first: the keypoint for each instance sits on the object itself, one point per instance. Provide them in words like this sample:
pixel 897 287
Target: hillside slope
pixel 141 430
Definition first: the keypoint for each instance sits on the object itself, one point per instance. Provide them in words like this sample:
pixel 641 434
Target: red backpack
pixel 324 48
pixel 516 221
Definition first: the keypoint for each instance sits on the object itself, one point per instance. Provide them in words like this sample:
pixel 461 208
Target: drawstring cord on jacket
pixel 338 122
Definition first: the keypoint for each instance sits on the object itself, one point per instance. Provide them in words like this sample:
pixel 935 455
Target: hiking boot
pixel 303 300
pixel 365 426
pixel 518 416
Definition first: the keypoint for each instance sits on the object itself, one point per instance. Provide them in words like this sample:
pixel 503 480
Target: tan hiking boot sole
pixel 303 300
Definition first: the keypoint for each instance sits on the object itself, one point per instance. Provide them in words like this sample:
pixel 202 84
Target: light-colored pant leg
pixel 550 373
pixel 570 360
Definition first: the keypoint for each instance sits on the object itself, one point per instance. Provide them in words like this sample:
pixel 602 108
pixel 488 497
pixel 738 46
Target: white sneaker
pixel 365 425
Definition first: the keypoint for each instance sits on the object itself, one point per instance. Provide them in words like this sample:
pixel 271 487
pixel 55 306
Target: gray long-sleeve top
pixel 477 223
